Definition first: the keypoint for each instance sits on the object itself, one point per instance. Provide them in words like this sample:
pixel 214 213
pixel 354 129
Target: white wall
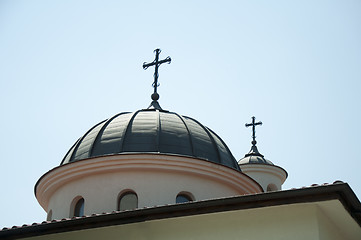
pixel 265 174
pixel 156 179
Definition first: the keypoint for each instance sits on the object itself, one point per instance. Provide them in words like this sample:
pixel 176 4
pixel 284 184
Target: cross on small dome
pixel 254 151
pixel 253 124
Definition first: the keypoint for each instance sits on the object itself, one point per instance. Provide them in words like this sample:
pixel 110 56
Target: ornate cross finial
pixel 156 63
pixel 253 124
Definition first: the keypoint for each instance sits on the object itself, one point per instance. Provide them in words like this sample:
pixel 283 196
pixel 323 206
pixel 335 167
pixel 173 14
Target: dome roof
pixel 151 131
pixel 254 160
pixel 254 157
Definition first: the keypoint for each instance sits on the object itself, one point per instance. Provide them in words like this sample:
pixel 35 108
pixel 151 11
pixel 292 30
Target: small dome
pixel 151 131
pixel 254 157
pixel 254 160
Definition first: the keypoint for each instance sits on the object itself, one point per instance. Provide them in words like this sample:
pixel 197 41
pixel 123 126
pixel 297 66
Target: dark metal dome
pixel 151 131
pixel 254 157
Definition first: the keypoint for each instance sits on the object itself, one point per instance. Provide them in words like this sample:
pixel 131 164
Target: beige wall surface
pixel 327 229
pixel 296 222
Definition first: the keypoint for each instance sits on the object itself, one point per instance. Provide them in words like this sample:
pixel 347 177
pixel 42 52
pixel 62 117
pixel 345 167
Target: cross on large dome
pixel 152 130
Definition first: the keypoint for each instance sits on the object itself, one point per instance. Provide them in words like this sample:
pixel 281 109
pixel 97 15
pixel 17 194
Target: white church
pixel 155 174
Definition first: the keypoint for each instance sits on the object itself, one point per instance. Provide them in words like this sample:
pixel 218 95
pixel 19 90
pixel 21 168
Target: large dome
pixel 151 131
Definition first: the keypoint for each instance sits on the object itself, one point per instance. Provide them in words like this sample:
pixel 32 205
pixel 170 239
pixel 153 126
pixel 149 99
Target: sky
pixel 294 65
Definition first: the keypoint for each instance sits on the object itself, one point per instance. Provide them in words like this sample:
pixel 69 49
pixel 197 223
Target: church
pixel 156 174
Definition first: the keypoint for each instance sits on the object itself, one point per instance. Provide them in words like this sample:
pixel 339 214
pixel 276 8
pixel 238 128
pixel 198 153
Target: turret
pixel 268 175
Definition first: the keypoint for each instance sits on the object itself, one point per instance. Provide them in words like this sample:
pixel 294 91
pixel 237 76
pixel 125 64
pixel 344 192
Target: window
pixel 184 197
pixel 50 215
pixel 79 208
pixel 271 187
pixel 127 201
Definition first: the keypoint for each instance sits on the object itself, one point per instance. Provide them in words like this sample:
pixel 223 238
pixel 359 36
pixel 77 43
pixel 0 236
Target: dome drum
pixel 155 178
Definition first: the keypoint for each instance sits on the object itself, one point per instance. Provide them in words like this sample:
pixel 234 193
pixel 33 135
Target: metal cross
pixel 156 63
pixel 253 124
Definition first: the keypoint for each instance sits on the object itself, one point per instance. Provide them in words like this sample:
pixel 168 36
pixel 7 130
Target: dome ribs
pixel 101 131
pixel 189 133
pixel 152 131
pixel 233 160
pixel 159 129
pixel 126 130
pixel 69 153
pixel 210 138
pixel 72 158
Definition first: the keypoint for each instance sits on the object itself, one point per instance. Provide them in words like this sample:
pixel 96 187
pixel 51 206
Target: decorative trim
pixel 50 182
pixel 265 168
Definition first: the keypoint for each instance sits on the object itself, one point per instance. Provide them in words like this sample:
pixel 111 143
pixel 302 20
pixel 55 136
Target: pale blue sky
pixel 67 65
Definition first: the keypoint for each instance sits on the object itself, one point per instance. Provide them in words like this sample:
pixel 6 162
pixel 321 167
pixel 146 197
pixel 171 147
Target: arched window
pixel 127 201
pixel 271 187
pixel 79 208
pixel 183 197
pixel 50 215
